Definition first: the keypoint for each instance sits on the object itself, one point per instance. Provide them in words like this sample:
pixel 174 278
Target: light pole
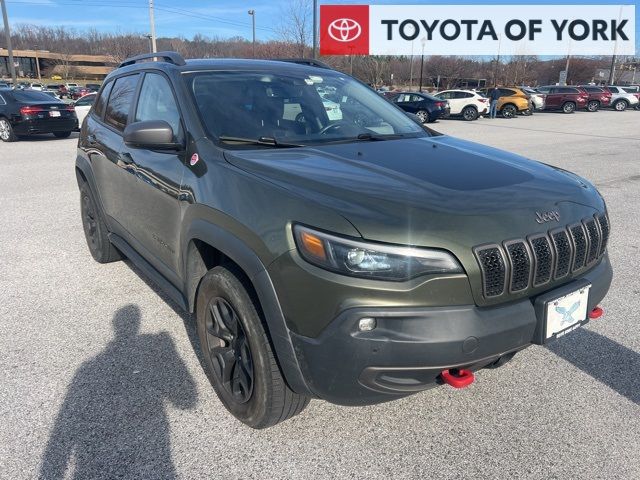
pixel 253 23
pixel 152 23
pixel 423 41
pixel 37 63
pixel 315 29
pixel 7 32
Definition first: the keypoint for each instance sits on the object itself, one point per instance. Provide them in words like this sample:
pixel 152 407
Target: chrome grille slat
pixel 518 265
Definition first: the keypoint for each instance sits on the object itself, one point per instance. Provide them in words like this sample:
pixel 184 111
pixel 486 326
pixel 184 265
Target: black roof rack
pixel 305 61
pixel 170 57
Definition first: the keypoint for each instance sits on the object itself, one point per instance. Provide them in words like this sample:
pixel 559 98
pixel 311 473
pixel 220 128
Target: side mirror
pixel 151 134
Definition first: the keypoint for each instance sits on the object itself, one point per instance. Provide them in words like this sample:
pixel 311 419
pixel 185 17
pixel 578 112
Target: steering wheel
pixel 332 126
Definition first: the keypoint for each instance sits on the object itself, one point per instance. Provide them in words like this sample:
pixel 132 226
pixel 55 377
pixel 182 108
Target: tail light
pixel 70 108
pixel 27 110
pixel 441 104
pixel 483 100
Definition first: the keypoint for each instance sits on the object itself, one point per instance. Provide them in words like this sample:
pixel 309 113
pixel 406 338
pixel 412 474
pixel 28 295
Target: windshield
pixel 294 108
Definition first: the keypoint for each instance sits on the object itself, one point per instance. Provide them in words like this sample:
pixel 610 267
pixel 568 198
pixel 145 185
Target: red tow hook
pixel 596 312
pixel 458 378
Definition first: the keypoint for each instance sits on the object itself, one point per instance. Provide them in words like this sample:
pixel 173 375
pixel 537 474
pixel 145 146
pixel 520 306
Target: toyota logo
pixel 344 30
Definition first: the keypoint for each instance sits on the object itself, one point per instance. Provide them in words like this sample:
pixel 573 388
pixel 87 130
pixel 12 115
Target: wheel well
pixel 508 105
pixel 80 176
pixel 569 101
pixel 472 106
pixel 202 257
pixel 622 100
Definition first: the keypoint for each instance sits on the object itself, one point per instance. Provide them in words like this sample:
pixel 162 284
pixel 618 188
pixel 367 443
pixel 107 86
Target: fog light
pixel 366 324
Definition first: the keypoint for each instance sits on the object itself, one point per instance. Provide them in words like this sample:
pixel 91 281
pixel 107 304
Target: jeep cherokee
pixel 356 262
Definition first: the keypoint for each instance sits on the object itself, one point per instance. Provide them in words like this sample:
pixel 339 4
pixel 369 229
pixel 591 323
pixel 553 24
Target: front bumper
pixel 410 347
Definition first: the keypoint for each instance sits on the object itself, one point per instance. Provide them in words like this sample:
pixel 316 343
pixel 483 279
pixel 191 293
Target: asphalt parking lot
pixel 100 376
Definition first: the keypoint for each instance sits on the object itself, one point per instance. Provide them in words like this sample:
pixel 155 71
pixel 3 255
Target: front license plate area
pixel 565 313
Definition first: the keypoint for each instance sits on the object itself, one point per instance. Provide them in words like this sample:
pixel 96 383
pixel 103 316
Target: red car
pixel 567 99
pixel 598 97
pixel 80 92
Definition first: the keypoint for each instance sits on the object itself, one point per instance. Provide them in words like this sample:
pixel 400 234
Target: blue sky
pixel 223 18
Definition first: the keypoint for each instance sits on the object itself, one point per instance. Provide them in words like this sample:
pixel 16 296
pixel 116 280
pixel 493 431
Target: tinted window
pixel 120 100
pixel 102 100
pixel 463 95
pixel 444 95
pixel 614 90
pixel 86 100
pixel 156 102
pixel 593 89
pixel 505 92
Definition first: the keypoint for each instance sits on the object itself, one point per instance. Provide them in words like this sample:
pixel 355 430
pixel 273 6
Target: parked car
pixel 565 98
pixel 465 103
pixel 56 77
pixel 25 112
pixel 4 86
pixel 512 101
pixel 426 107
pixel 537 98
pixel 36 86
pixel 79 92
pixel 94 87
pixel 330 260
pixel 598 97
pixel 83 105
pixel 620 99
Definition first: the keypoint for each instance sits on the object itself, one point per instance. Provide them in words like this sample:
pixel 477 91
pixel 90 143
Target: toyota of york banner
pixel 477 29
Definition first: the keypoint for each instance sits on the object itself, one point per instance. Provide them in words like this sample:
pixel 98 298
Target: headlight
pixel 371 260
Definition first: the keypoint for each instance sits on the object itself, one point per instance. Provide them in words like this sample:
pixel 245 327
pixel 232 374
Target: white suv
pixel 466 103
pixel 621 99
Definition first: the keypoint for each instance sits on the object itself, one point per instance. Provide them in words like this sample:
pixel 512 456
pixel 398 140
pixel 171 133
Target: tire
pixel 62 134
pixel 95 230
pixel 6 131
pixel 469 114
pixel 620 105
pixel 593 106
pixel 509 111
pixel 568 107
pixel 239 360
pixel 423 115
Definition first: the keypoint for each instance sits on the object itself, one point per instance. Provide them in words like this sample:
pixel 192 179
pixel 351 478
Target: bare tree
pixel 296 24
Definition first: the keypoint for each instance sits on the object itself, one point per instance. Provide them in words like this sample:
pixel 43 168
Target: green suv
pixel 330 248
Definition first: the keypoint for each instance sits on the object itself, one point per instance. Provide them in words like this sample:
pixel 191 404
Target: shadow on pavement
pixel 604 359
pixel 113 423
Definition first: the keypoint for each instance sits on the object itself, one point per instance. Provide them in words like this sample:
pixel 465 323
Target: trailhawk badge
pixel 547 216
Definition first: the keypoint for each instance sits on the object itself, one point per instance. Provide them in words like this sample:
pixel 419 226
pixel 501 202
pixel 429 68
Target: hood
pixel 437 191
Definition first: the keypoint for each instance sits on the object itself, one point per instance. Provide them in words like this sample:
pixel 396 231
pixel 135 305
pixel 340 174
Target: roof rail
pixel 305 61
pixel 170 57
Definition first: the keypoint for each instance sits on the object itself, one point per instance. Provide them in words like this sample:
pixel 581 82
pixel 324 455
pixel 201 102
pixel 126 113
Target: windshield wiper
pixel 266 141
pixel 377 137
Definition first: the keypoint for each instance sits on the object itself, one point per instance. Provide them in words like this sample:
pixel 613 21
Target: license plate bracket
pixel 550 325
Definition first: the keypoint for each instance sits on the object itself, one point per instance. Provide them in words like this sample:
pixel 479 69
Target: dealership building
pixel 44 64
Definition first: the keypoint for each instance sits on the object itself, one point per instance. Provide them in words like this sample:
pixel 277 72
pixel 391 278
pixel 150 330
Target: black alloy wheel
pixel 228 349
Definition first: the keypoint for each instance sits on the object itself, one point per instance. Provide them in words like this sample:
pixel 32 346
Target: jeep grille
pixel 520 264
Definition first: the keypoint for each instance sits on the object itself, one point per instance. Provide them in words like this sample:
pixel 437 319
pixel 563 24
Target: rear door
pixel 554 98
pixel 112 166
